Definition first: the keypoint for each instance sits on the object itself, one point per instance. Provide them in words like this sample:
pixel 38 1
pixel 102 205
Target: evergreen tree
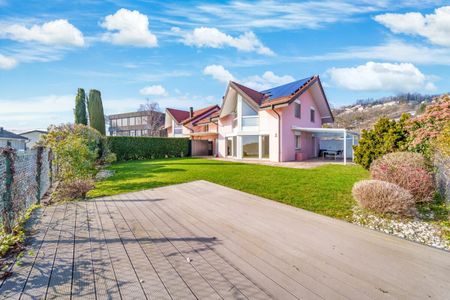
pixel 386 136
pixel 95 109
pixel 80 108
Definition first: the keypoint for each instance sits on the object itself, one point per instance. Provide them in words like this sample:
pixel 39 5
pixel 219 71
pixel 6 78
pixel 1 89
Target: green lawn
pixel 325 190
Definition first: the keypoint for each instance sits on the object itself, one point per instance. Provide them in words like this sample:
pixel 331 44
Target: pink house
pixel 284 123
pixel 277 124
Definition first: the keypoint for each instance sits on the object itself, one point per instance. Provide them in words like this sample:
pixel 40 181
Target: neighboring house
pixel 279 124
pixel 197 126
pixel 141 123
pixel 33 137
pixel 8 138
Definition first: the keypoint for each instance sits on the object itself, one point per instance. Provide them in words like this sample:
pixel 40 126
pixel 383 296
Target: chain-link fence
pixel 25 177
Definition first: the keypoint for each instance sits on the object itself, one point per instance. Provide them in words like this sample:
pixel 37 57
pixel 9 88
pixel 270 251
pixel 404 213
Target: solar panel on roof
pixel 285 90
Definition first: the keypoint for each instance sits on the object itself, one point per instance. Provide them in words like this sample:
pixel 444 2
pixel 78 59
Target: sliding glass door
pixel 250 146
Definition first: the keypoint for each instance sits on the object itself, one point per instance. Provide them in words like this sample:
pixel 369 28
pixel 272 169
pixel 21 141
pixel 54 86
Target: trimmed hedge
pixel 135 148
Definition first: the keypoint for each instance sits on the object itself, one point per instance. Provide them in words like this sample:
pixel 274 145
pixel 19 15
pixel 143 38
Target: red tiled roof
pixel 201 112
pixel 179 115
pixel 254 95
pixel 207 118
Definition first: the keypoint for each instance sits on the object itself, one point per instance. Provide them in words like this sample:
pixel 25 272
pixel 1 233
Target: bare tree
pixel 153 119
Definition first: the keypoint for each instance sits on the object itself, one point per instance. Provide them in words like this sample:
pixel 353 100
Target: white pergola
pixel 330 133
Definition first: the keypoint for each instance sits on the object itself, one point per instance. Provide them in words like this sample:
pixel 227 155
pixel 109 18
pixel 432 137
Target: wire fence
pixel 25 177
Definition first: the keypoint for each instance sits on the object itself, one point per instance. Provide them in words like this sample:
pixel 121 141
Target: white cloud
pixel 392 51
pixel 402 77
pixel 267 80
pixel 214 38
pixel 281 14
pixel 58 32
pixel 257 82
pixel 153 90
pixel 435 27
pixel 7 62
pixel 128 27
pixel 219 73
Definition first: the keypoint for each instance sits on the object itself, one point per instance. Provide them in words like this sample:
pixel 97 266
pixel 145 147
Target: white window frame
pixel 298 142
pixel 312 109
pixel 300 110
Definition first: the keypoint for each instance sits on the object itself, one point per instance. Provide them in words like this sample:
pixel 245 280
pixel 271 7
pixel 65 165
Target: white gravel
pixel 410 229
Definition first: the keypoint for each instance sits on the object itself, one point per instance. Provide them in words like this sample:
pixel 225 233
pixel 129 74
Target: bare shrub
pixel 384 197
pixel 409 171
pixel 72 190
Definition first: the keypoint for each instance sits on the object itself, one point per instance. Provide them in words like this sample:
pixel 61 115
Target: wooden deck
pixel 201 240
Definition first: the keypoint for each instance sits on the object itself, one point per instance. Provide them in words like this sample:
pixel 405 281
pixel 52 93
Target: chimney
pixel 191 112
pixel 1 129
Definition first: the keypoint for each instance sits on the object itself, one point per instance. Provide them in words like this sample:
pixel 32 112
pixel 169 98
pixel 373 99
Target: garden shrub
pixel 407 170
pixel 385 137
pixel 443 140
pixel 135 148
pixel 425 128
pixel 75 189
pixel 384 197
pixel 77 149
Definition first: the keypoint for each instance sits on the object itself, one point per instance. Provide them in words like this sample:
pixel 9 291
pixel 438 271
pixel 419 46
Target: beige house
pixel 33 137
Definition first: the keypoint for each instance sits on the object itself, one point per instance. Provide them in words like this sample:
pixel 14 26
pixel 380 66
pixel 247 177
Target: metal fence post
pixel 39 152
pixel 7 211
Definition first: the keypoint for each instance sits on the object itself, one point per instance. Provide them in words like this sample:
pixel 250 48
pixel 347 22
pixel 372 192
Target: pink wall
pixel 288 120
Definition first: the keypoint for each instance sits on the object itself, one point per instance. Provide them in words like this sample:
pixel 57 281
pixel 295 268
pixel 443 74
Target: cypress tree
pixel 80 108
pixel 95 109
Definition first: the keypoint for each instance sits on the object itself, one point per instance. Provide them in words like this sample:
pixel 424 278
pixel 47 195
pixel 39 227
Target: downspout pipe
pixel 272 107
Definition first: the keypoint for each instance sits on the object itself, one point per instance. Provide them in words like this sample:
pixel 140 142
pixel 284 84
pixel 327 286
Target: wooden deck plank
pixel 215 279
pixel 264 245
pixel 104 276
pixel 206 250
pixel 127 281
pixel 13 286
pixel 60 283
pixel 170 277
pixel 83 283
pixel 257 268
pixel 149 279
pixel 37 283
pixel 365 263
pixel 198 285
pixel 338 248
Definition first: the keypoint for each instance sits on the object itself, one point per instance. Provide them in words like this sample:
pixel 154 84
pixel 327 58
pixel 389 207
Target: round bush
pixel 384 197
pixel 408 170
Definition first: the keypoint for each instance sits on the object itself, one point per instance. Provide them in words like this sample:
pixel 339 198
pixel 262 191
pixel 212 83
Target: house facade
pixel 140 123
pixel 268 124
pixel 10 139
pixel 284 123
pixel 197 125
pixel 33 137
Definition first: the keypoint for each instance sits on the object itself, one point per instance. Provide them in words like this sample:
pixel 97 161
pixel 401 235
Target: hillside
pixel 364 113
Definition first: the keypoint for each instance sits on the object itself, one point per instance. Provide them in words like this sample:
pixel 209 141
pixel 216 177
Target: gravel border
pixel 411 229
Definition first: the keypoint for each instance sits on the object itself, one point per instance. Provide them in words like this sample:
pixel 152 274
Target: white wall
pixel 337 144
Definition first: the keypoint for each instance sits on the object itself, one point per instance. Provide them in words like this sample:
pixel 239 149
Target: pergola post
pixel 345 147
pixel 353 143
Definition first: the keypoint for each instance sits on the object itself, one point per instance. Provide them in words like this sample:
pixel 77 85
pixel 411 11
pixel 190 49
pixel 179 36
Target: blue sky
pixel 182 54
